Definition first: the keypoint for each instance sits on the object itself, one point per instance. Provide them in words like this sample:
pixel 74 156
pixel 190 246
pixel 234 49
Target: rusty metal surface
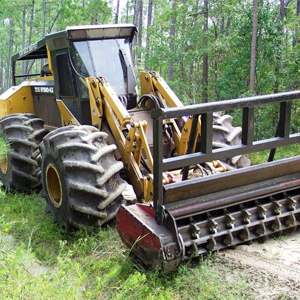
pixel 233 196
pixel 230 225
pixel 198 187
pixel 186 234
pixel 151 246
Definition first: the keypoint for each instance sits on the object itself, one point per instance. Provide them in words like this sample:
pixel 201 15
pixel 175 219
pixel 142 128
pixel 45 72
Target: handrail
pixel 206 110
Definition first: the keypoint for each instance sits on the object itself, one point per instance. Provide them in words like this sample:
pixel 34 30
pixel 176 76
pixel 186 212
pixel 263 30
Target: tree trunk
pixel 192 77
pixel 283 5
pixel 44 24
pixel 127 11
pixel 227 26
pixel 149 21
pixel 182 85
pixel 44 16
pixel 216 54
pixel 30 31
pixel 23 33
pixel 140 23
pixel 140 29
pixel 222 26
pixel 53 22
pixel 135 22
pixel 296 39
pixel 31 23
pixel 279 21
pixel 253 48
pixel 172 36
pixel 136 12
pixel 193 88
pixel 117 12
pixel 196 8
pixel 8 79
pixel 298 8
pixel 1 72
pixel 205 54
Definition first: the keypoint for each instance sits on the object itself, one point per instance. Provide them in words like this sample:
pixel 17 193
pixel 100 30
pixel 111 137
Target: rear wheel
pixel 224 135
pixel 80 176
pixel 19 170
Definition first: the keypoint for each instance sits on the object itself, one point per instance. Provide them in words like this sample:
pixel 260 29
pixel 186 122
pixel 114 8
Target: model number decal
pixel 28 49
pixel 43 89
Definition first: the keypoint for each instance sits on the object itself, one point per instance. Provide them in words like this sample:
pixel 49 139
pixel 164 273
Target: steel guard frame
pixel 206 110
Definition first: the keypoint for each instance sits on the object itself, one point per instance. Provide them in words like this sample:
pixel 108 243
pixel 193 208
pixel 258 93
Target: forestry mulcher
pixel 79 132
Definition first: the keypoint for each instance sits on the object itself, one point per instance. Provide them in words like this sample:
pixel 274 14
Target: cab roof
pixel 60 40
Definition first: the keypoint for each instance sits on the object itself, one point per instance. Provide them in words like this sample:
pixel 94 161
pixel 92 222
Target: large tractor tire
pixel 224 135
pixel 80 176
pixel 20 170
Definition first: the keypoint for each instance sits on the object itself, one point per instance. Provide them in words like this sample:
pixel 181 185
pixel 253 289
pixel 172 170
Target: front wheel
pixel 80 176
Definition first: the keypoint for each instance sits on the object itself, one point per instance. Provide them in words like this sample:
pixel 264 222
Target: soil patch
pixel 272 269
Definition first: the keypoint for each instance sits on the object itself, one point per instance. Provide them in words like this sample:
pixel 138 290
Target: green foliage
pixel 95 264
pixel 4 148
pixel 48 16
pixel 80 12
pixel 229 41
pixel 280 153
pixel 39 261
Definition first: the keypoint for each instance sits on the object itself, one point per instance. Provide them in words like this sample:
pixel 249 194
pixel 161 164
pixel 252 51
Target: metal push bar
pixel 206 153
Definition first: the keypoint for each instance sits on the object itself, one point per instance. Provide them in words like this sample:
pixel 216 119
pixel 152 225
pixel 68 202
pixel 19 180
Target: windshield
pixel 102 58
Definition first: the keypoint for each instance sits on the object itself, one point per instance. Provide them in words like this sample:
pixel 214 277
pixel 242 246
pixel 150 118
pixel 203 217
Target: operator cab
pixel 110 58
pixel 104 51
pixel 67 57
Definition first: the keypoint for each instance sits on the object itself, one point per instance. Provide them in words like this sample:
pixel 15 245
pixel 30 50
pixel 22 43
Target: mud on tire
pixel 80 176
pixel 20 170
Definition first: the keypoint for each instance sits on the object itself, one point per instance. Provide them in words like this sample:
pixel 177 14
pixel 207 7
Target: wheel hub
pixel 54 185
pixel 4 165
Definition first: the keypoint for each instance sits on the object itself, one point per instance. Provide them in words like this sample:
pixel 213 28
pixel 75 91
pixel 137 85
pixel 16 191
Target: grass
pixel 4 148
pixel 89 264
pixel 38 260
pixel 283 152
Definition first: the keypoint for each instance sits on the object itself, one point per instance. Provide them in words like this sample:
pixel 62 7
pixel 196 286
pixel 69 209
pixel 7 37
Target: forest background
pixel 205 49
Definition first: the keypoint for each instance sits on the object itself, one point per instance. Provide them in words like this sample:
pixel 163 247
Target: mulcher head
pixel 195 216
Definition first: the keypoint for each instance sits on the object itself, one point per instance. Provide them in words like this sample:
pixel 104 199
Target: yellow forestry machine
pixel 79 133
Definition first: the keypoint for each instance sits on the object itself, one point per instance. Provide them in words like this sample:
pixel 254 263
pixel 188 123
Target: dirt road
pixel 272 269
